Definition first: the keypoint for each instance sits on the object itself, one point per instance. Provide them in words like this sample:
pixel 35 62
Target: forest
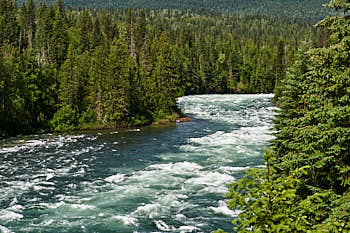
pixel 310 10
pixel 65 69
pixel 305 185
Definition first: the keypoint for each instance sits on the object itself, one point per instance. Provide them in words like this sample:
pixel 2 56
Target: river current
pixel 152 179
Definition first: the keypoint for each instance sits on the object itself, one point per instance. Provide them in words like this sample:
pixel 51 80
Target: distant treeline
pixel 311 10
pixel 62 69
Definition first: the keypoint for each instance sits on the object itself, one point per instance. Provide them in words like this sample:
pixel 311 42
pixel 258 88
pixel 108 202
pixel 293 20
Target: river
pixel 151 179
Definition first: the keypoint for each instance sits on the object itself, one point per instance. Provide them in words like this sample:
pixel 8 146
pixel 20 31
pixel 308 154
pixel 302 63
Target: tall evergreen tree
pixel 9 28
pixel 305 186
pixel 29 21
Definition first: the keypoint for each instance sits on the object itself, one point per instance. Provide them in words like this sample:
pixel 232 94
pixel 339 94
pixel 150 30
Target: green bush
pixel 88 116
pixel 139 121
pixel 64 119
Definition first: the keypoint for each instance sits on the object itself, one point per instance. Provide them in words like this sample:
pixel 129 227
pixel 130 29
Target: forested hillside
pixel 305 186
pixel 62 69
pixel 301 9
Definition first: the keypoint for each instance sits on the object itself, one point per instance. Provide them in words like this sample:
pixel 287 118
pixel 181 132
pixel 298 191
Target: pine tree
pixel 98 75
pixel 131 36
pixel 140 31
pixel 29 21
pixel 96 38
pixel 9 28
pixel 165 76
pixel 280 67
pixel 118 87
pixel 43 34
pixel 85 28
pixel 305 185
pixel 59 38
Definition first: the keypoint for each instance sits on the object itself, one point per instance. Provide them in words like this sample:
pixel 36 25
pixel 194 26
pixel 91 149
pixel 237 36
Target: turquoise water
pixel 163 179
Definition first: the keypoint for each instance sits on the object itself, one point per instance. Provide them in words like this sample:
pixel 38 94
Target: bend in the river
pixel 165 179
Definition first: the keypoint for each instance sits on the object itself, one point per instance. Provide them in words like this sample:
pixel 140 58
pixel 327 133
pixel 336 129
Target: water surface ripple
pixel 164 179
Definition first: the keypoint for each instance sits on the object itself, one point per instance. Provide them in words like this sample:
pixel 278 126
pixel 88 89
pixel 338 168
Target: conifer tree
pixel 9 28
pixel 43 34
pixel 29 21
pixel 118 100
pixel 305 185
pixel 140 31
pixel 98 75
pixel 85 27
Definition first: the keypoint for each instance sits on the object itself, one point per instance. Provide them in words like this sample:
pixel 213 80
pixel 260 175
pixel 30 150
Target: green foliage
pixel 140 121
pixel 65 119
pixel 267 200
pixel 219 231
pixel 9 28
pixel 128 67
pixel 305 184
pixel 301 9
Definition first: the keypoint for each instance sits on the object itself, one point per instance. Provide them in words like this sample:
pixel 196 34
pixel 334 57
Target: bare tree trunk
pixel 30 38
pixel 132 41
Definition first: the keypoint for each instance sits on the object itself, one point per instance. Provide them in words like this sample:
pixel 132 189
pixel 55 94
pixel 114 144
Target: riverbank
pixel 69 123
pixel 168 119
pixel 144 179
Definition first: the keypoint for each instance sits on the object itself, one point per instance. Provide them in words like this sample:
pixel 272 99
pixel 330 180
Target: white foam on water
pixel 184 229
pixel 243 136
pixel 4 229
pixel 49 142
pixel 16 208
pixel 8 216
pixel 134 130
pixel 82 206
pixel 92 138
pixel 14 201
pixel 224 210
pixel 52 205
pixel 161 225
pixel 47 222
pixel 20 185
pixel 214 190
pixel 226 169
pixel 177 168
pixel 39 187
pixel 218 107
pixel 81 151
pixel 126 220
pixel 211 179
pixel 245 150
pixel 115 178
pixel 150 210
pixel 180 217
pixel 49 176
pixel 190 148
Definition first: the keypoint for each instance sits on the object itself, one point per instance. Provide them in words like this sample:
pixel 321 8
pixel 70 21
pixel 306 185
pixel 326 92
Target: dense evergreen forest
pixel 62 69
pixel 305 186
pixel 311 10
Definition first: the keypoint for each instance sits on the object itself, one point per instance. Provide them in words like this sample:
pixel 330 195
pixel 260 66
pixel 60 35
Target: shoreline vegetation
pixel 168 120
pixel 305 185
pixel 165 120
pixel 63 68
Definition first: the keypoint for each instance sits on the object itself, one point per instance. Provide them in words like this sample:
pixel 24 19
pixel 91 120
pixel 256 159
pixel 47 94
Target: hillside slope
pixel 300 9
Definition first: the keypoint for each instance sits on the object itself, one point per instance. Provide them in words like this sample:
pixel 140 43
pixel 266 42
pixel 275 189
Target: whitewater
pixel 151 179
